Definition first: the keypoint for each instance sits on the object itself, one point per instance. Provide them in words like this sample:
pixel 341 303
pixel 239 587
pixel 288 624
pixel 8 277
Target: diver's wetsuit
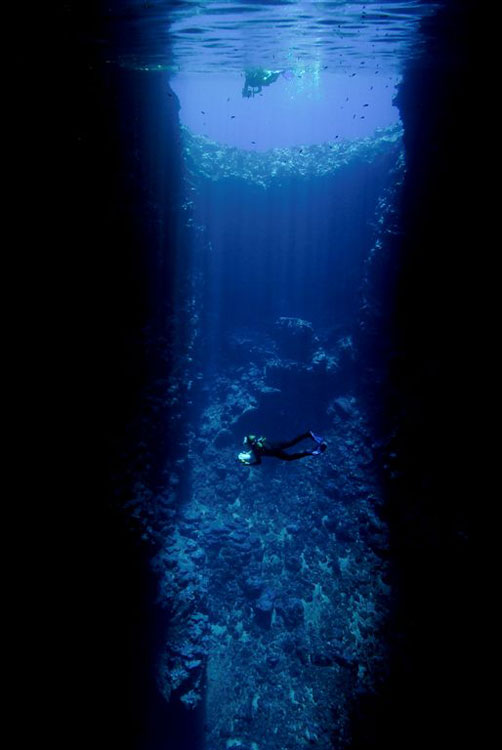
pixel 277 450
pixel 258 77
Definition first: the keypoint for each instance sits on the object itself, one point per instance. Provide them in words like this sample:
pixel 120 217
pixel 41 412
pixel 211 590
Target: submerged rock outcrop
pixel 214 161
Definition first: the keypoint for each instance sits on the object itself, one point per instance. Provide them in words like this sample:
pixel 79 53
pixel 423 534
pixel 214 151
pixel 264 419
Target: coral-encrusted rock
pixel 223 438
pixel 191 699
pixel 264 608
pixel 214 533
pixel 343 407
pixel 221 470
pixel 330 522
pixel 273 659
pixel 291 612
pixel 293 563
pixel 322 659
pixel 293 528
pixel 253 587
pixel 295 338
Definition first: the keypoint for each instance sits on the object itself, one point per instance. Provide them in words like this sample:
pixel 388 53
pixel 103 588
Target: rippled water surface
pixel 193 36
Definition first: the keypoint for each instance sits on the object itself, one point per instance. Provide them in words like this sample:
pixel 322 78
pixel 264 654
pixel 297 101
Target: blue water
pixel 263 266
pixel 292 112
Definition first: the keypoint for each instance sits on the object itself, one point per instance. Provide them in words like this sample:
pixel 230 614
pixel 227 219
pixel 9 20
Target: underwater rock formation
pixel 215 161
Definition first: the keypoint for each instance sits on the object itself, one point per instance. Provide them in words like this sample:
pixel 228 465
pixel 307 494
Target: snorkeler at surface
pixel 256 78
pixel 260 446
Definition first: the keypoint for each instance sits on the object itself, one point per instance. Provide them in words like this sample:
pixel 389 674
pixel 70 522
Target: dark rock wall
pixel 431 376
pixel 118 360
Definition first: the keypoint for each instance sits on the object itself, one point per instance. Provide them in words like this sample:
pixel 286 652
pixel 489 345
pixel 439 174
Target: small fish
pixel 253 141
pixel 202 112
pixel 365 105
pixel 232 117
pixel 228 99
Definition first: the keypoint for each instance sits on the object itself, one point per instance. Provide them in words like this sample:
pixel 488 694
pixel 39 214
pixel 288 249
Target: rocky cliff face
pixel 418 344
pixel 125 331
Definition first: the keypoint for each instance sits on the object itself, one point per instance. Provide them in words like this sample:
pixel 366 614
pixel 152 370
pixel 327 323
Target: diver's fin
pixel 317 438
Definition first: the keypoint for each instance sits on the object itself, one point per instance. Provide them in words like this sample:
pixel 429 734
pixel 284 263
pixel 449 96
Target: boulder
pixel 264 608
pixel 291 611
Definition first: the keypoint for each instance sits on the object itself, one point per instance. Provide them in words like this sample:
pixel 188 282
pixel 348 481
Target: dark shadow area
pixel 115 169
pixel 434 495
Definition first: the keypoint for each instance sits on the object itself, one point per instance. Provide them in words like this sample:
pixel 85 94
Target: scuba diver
pixel 256 78
pixel 260 446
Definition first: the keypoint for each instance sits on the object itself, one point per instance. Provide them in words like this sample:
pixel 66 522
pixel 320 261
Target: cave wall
pixel 118 322
pixel 422 340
